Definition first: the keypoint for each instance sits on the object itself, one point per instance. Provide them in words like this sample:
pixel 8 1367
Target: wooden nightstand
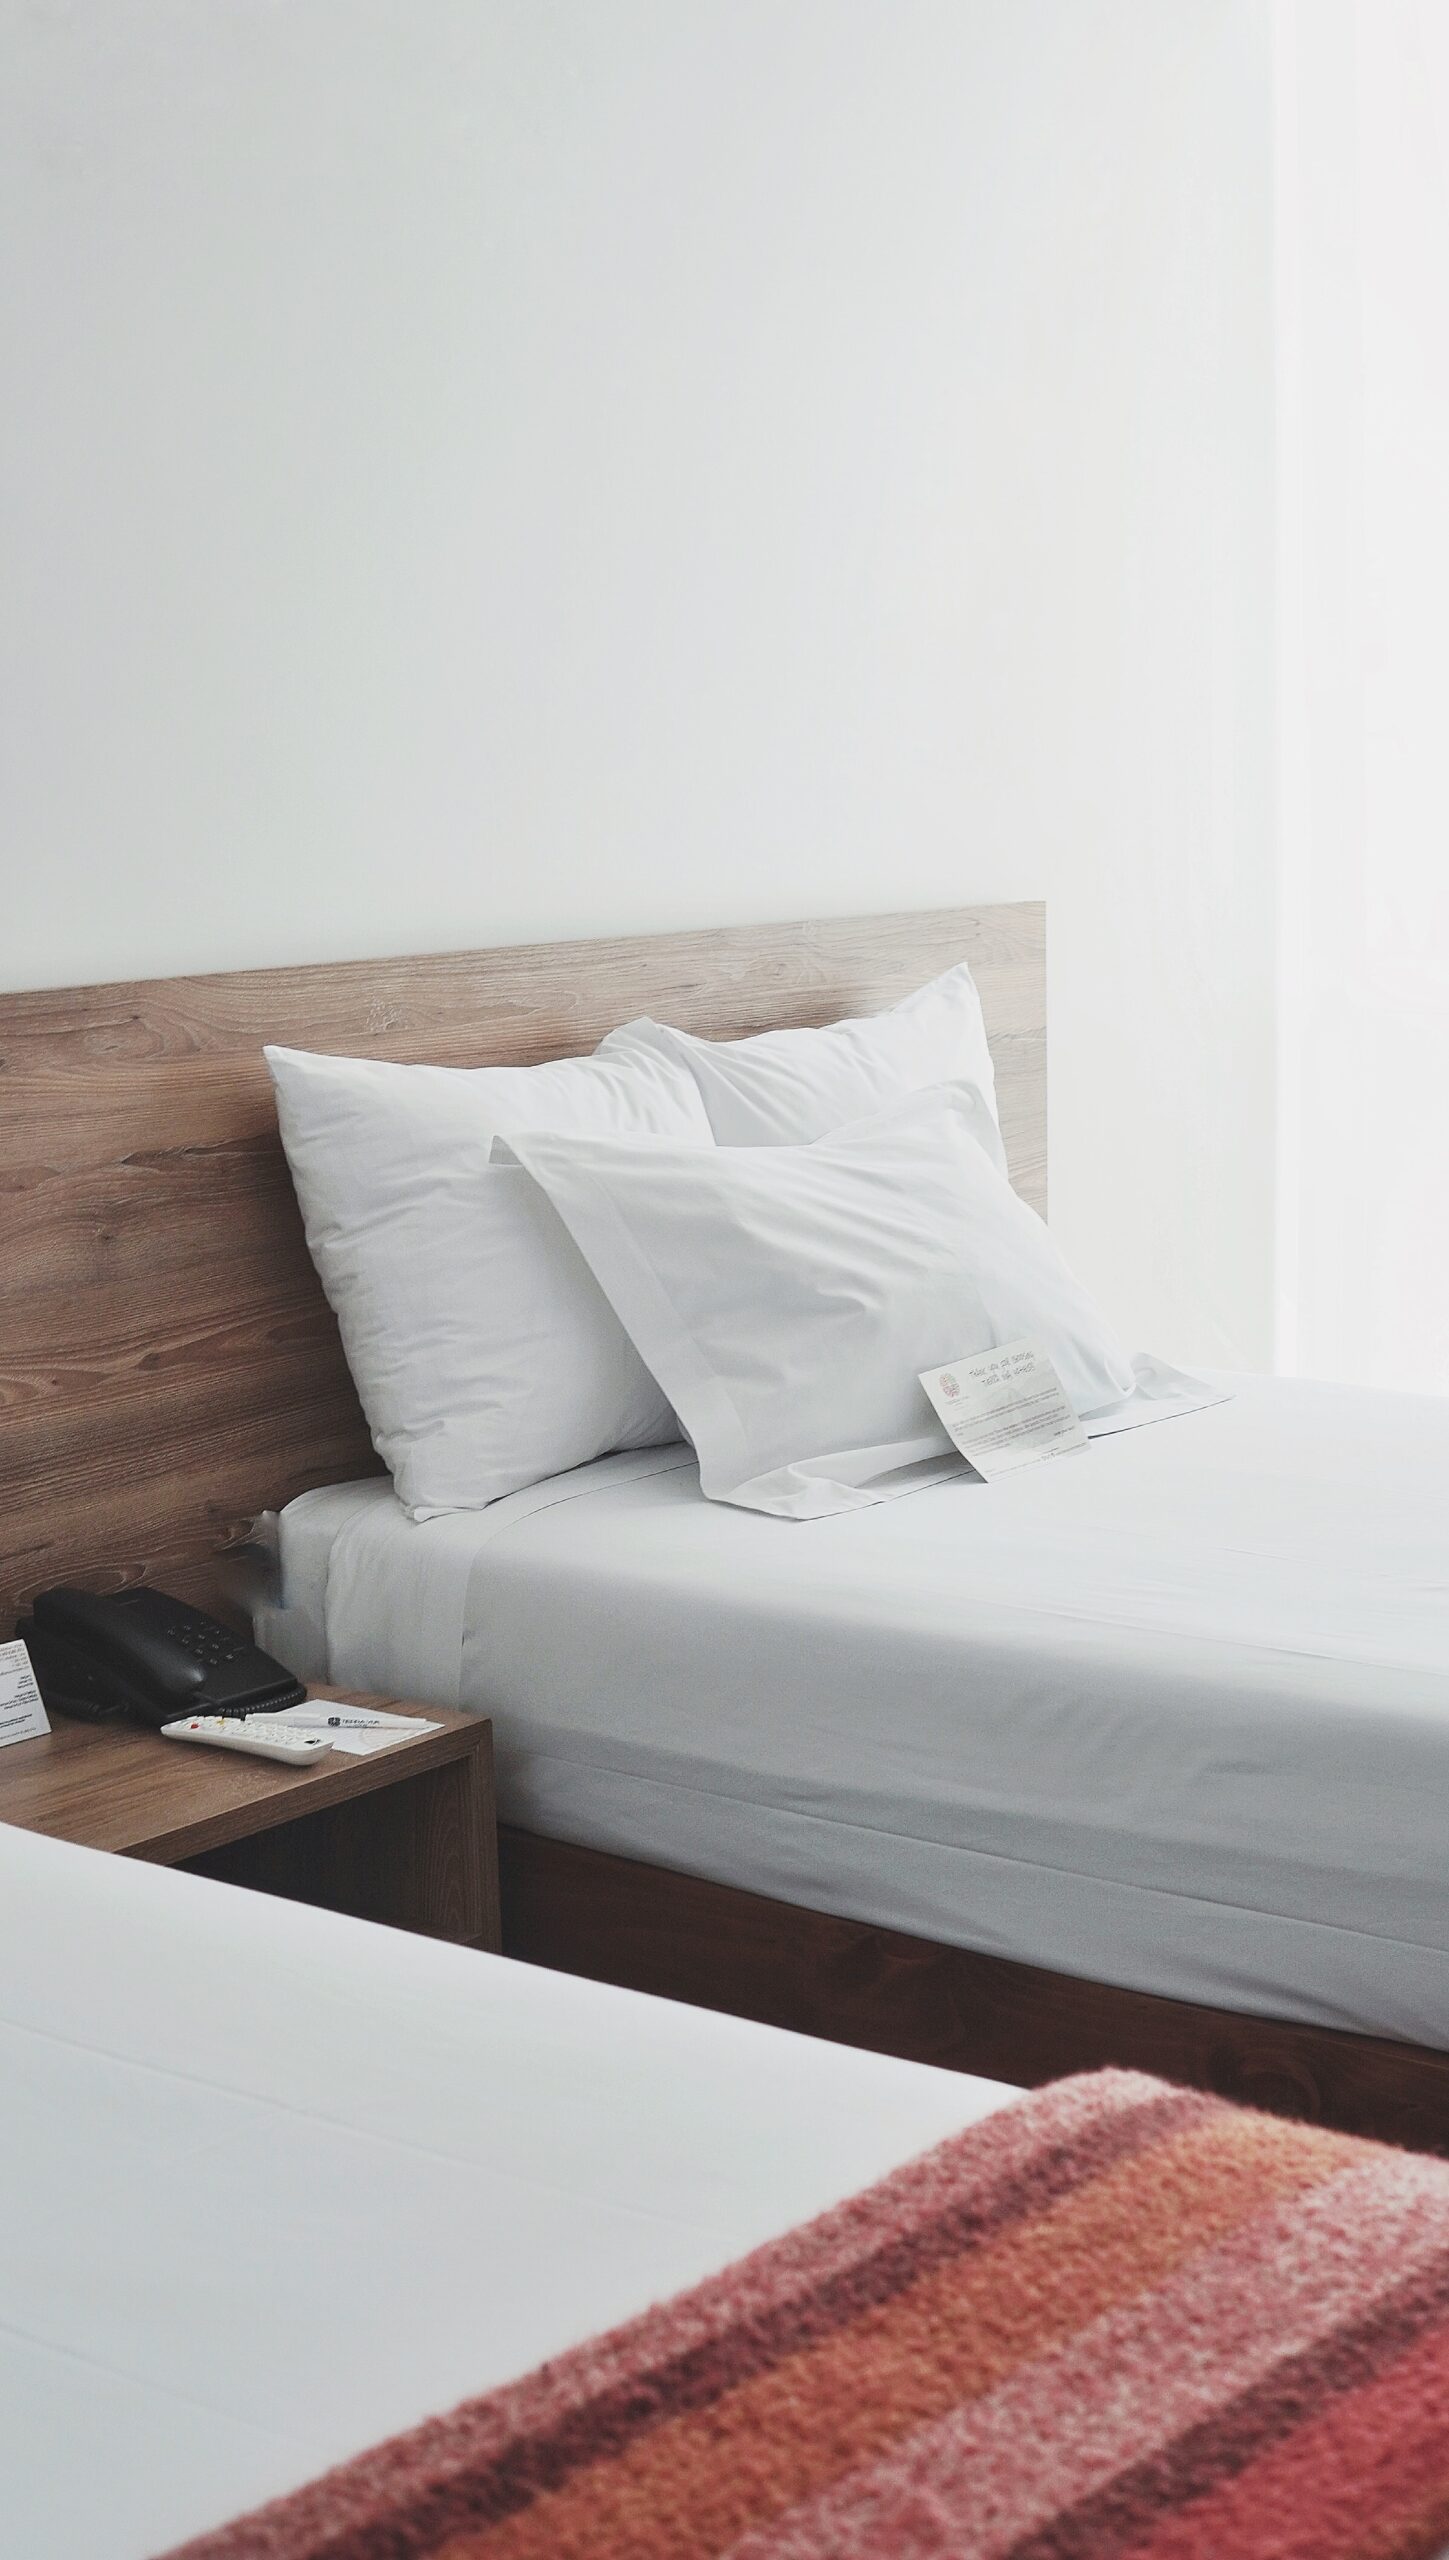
pixel 407 1837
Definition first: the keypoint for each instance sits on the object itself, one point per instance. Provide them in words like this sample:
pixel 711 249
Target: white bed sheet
pixel 1171 1713
pixel 277 2183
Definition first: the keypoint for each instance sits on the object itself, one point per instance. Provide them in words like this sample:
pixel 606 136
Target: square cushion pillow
pixel 782 1088
pixel 483 1352
pixel 786 1297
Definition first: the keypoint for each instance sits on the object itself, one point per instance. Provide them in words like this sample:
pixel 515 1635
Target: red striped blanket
pixel 1114 2318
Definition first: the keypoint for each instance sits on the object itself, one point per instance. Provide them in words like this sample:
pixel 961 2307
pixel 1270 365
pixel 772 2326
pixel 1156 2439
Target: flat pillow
pixel 483 1352
pixel 782 1088
pixel 786 1297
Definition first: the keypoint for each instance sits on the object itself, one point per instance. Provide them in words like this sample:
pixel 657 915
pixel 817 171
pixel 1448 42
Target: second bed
pixel 1172 1714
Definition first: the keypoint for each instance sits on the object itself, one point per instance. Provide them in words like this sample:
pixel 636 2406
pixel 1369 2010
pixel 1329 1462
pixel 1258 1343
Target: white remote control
pixel 262 1736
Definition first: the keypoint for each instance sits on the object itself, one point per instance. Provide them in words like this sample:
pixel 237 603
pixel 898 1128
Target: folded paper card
pixel 1005 1408
pixel 22 1710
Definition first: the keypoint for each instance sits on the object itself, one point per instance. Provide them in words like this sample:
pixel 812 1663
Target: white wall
pixel 525 467
pixel 1363 505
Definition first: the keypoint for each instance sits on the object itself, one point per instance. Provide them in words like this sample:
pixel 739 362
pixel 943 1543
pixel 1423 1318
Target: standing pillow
pixel 782 1088
pixel 483 1352
pixel 787 1297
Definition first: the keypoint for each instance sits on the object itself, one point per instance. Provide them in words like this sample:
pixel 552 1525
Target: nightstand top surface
pixel 121 1787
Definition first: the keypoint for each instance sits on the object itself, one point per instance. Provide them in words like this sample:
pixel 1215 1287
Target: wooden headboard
pixel 168 1365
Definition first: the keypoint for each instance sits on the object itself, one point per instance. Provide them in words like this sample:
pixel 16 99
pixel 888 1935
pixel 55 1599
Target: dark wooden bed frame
pixel 618 1920
pixel 169 1369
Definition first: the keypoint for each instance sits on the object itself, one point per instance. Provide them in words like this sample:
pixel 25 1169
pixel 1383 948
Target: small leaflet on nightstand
pixel 22 1711
pixel 359 1731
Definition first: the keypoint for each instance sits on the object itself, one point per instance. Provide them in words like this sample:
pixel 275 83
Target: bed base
pixel 649 1928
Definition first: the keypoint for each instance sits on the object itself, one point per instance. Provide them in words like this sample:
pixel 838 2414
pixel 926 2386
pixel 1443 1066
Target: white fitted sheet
pixel 277 2183
pixel 1172 1713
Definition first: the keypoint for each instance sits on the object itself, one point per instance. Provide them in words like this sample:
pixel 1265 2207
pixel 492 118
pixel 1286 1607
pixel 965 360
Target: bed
pixel 1175 1719
pixel 172 1371
pixel 340 2177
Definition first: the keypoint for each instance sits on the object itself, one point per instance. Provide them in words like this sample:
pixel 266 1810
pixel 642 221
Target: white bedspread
pixel 1172 1713
pixel 277 2183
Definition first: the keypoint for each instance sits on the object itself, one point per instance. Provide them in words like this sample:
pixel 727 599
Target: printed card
pixel 1005 1408
pixel 22 1715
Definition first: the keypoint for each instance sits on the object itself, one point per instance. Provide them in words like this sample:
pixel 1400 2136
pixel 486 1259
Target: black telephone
pixel 139 1653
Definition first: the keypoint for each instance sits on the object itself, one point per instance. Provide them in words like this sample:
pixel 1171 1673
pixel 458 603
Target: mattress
pixel 1171 1713
pixel 278 2183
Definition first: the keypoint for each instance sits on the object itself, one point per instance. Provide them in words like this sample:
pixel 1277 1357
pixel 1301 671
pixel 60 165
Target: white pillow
pixel 786 1297
pixel 484 1355
pixel 782 1088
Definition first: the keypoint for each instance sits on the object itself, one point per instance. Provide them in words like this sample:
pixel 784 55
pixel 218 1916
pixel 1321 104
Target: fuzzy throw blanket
pixel 1114 2318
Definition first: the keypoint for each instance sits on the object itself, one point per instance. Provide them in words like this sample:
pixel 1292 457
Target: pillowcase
pixel 782 1088
pixel 484 1354
pixel 786 1297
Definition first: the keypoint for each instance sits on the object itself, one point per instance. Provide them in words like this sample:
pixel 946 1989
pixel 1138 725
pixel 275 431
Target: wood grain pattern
pixel 408 1837
pixel 651 1929
pixel 419 1854
pixel 168 1365
pixel 121 1787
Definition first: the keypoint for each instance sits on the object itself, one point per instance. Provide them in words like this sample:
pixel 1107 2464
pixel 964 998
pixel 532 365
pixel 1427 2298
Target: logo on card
pixel 949 1385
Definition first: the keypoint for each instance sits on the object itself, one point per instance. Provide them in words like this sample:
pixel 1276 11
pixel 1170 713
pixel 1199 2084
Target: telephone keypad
pixel 213 1646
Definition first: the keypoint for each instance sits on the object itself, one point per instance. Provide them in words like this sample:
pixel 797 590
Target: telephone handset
pixel 139 1653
